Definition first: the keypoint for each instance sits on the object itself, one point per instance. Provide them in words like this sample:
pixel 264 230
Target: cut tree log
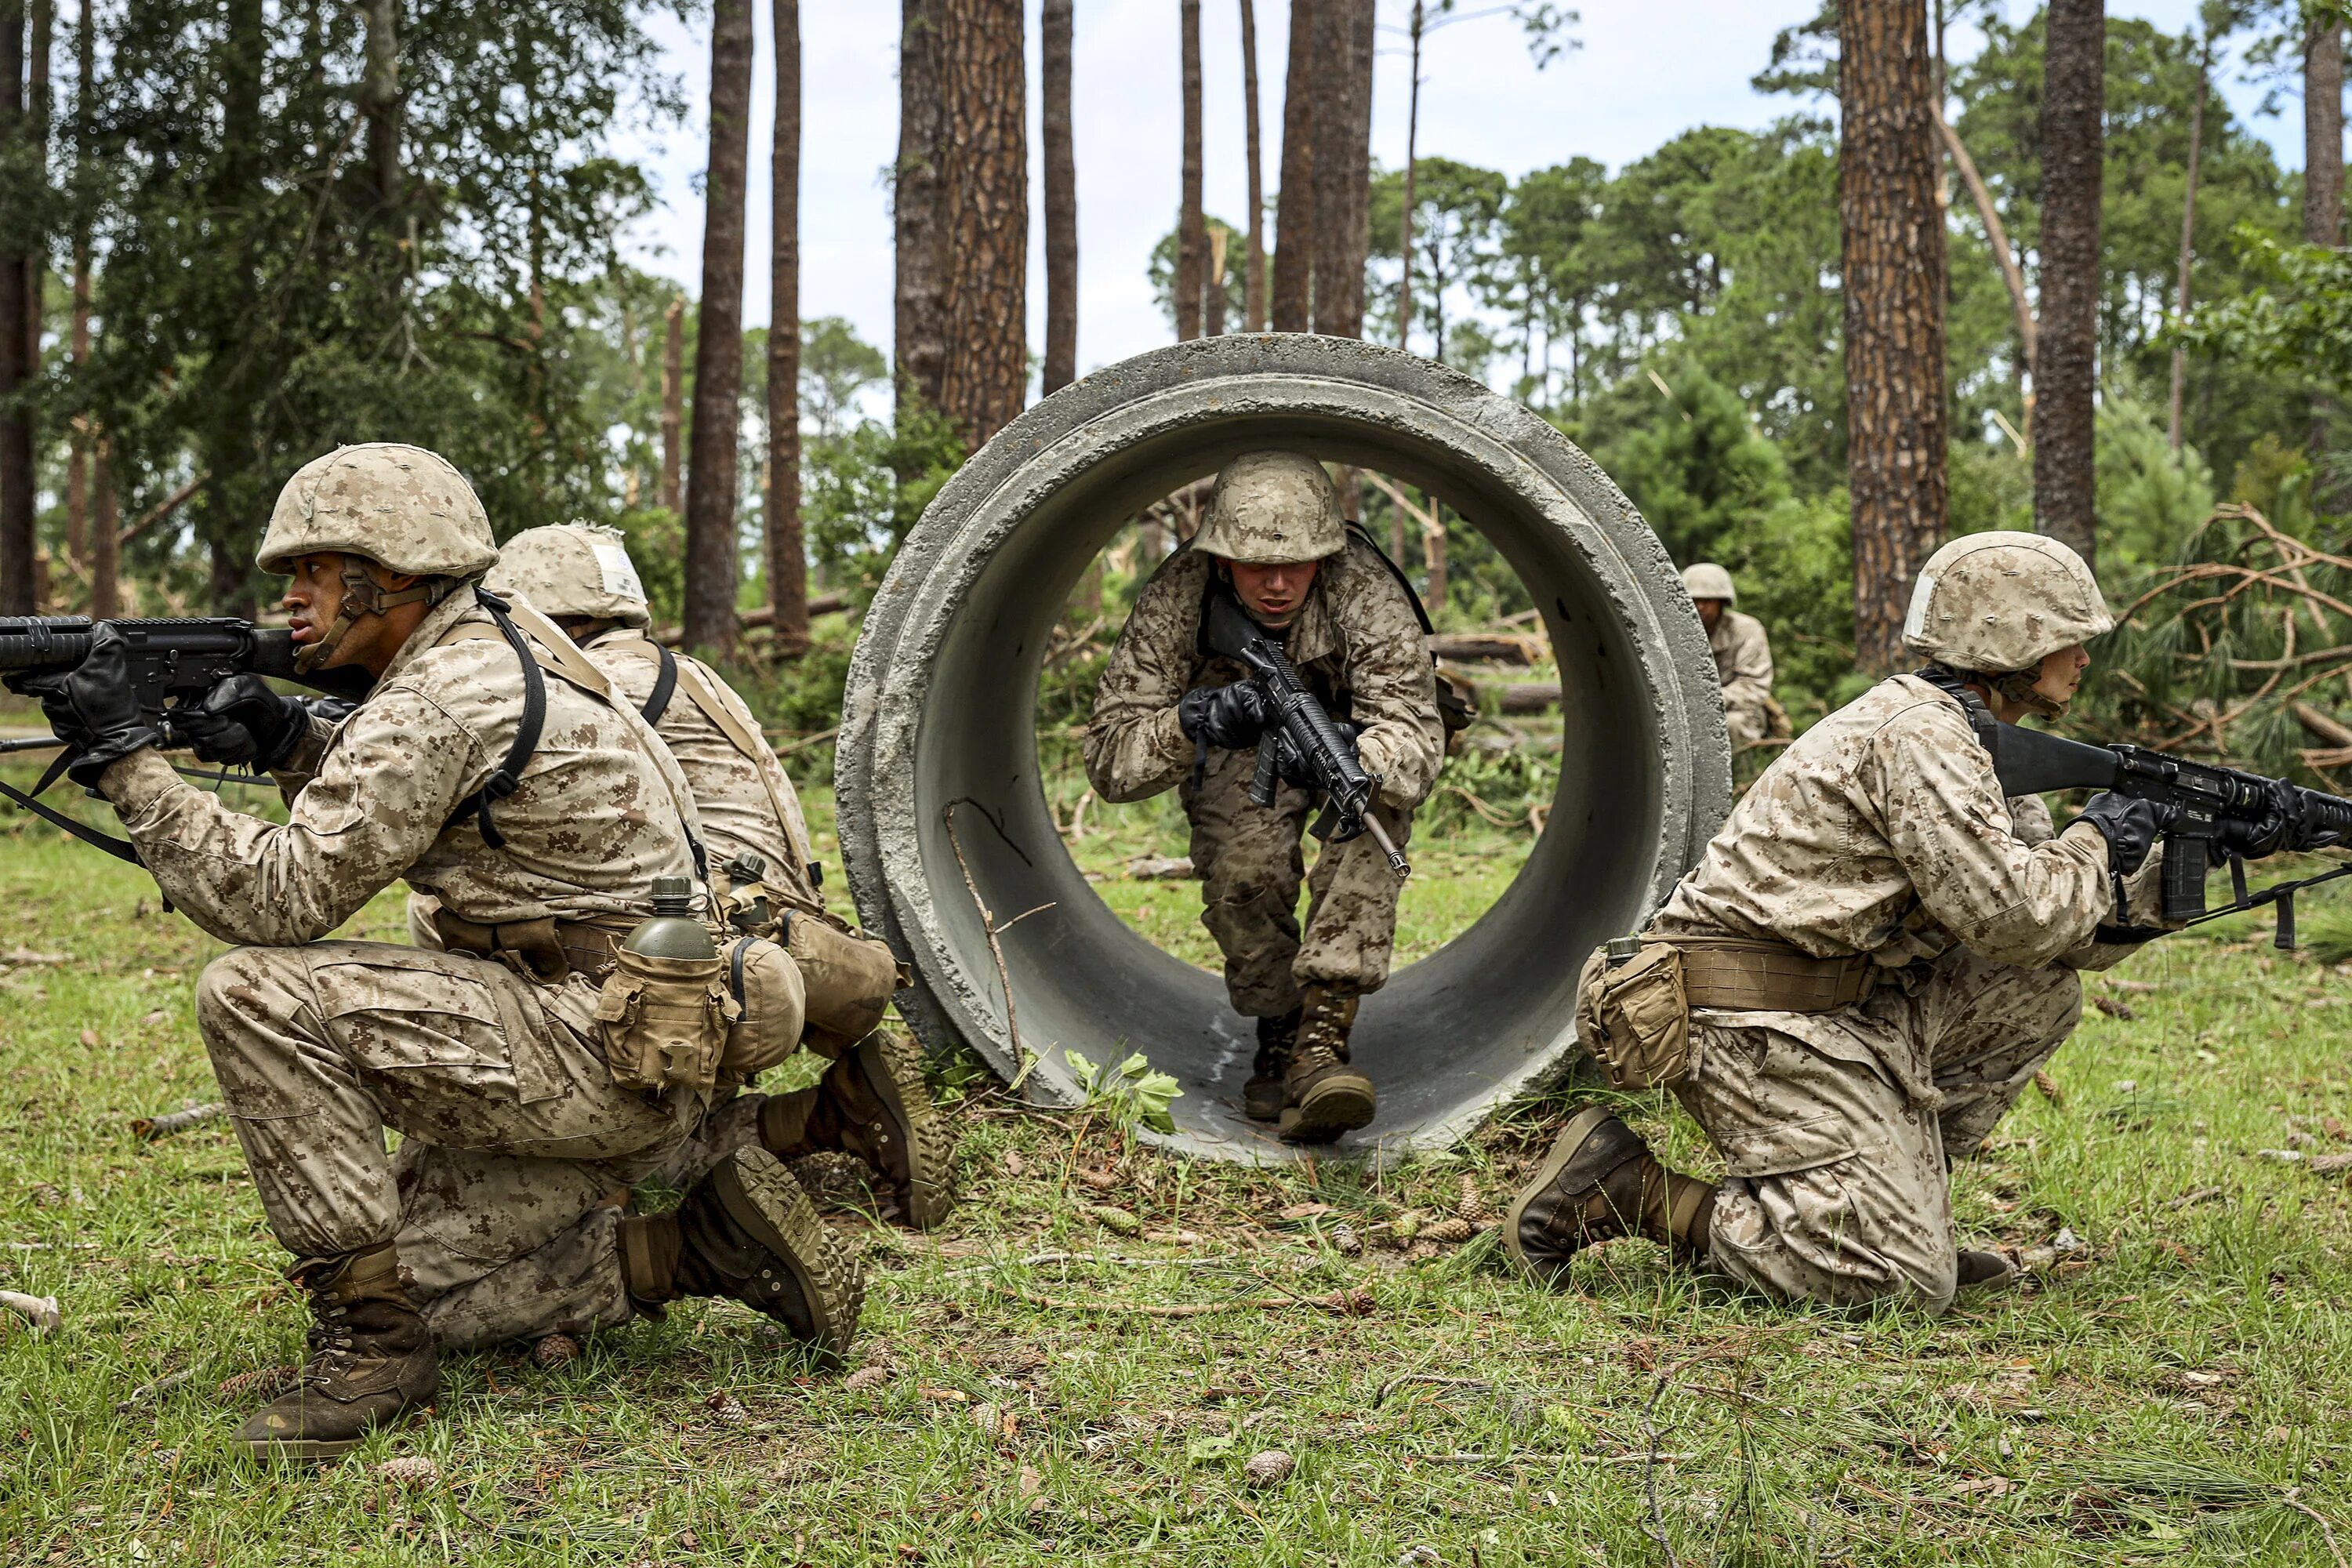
pixel 1532 697
pixel 1486 647
pixel 818 604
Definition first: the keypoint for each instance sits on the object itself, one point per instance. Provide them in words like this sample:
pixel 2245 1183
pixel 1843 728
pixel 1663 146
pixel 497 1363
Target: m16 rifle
pixel 2208 808
pixel 1302 740
pixel 172 663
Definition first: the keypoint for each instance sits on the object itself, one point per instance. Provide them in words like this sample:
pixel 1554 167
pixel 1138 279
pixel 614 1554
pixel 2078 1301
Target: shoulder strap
pixel 503 783
pixel 690 677
pixel 1949 682
pixel 1357 531
pixel 664 686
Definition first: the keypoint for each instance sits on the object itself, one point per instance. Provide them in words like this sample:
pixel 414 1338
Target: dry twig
pixel 1351 1303
pixel 147 1129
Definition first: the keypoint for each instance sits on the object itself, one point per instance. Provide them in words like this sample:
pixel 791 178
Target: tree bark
pixel 379 97
pixel 918 207
pixel 1343 163
pixel 1254 275
pixel 1892 249
pixel 77 333
pixel 2188 241
pixel 1191 233
pixel 2003 252
pixel 1404 217
pixel 1061 199
pixel 986 181
pixel 2065 370
pixel 17 589
pixel 788 594
pixel 1294 202
pixel 105 541
pixel 2323 158
pixel 673 407
pixel 37 105
pixel 710 529
pixel 1213 300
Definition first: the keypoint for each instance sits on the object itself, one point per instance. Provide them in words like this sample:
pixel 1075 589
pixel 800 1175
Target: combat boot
pixel 1599 1182
pixel 371 1359
pixel 873 1103
pixel 1263 1096
pixel 748 1231
pixel 1326 1096
pixel 1976 1268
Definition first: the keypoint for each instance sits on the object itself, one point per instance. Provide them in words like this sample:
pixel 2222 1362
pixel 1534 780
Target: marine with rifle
pixel 1275 600
pixel 1871 959
pixel 567 1054
pixel 872 1101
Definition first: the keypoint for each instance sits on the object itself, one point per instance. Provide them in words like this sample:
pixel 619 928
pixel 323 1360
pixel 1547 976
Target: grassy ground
pixel 2169 1387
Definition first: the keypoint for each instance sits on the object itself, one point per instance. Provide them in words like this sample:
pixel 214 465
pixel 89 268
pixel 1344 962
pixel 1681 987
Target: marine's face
pixel 2061 673
pixel 1272 594
pixel 1709 612
pixel 314 596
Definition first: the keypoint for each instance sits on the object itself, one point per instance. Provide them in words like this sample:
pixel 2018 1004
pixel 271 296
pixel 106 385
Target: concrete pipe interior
pixel 942 708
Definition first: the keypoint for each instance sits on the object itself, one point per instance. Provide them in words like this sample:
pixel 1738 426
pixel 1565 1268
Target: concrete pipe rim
pixel 1004 541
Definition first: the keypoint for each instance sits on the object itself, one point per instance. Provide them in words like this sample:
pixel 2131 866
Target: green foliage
pixel 1160 270
pixel 2296 320
pixel 2151 497
pixel 863 490
pixel 1128 1095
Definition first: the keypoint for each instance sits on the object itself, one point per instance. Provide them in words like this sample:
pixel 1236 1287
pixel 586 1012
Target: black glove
pixel 241 720
pixel 2266 832
pixel 1298 771
pixel 2131 826
pixel 1231 716
pixel 93 709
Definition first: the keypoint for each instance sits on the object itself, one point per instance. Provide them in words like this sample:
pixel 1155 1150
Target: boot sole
pixel 1571 1138
pixel 1337 1105
pixel 762 1197
pixel 893 1065
pixel 297 1450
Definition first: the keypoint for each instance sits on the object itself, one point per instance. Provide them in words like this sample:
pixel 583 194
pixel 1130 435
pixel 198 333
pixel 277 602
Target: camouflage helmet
pixel 404 507
pixel 1271 509
pixel 569 569
pixel 1705 580
pixel 2002 602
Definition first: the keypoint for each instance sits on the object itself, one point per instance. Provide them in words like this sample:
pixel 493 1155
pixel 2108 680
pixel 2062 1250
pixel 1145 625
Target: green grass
pixel 2174 1392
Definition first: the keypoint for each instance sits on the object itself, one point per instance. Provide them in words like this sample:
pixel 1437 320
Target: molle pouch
pixel 771 1008
pixel 847 981
pixel 1635 1016
pixel 665 1021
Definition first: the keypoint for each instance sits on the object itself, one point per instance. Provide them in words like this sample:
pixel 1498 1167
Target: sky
pixel 1644 73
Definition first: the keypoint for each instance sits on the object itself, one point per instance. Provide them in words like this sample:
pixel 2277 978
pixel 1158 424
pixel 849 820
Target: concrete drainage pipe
pixel 942 708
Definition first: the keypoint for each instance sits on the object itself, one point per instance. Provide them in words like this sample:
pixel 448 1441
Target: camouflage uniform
pixel 1881 831
pixel 514 1134
pixel 1743 663
pixel 1358 644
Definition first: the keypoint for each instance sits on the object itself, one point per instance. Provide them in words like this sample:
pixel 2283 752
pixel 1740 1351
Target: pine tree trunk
pixel 78 540
pixel 106 537
pixel 37 103
pixel 1404 211
pixel 1892 248
pixel 1191 236
pixel 986 181
pixel 17 590
pixel 1254 275
pixel 2065 365
pixel 2188 241
pixel 1061 199
pixel 379 97
pixel 1294 202
pixel 917 206
pixel 1213 300
pixel 710 479
pixel 673 408
pixel 788 592
pixel 2323 159
pixel 1343 163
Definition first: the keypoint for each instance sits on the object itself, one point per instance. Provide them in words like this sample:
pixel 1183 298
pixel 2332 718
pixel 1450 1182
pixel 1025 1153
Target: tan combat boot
pixel 371 1359
pixel 1327 1096
pixel 1263 1096
pixel 1599 1182
pixel 748 1231
pixel 873 1103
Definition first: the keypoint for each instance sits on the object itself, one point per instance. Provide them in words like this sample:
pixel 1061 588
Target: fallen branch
pixel 2332 730
pixel 41 1311
pixel 151 1392
pixel 1351 1303
pixel 147 1129
pixel 163 509
pixel 1393 1384
pixel 765 615
pixel 1486 647
pixel 805 742
pixel 2326 1532
pixel 989 927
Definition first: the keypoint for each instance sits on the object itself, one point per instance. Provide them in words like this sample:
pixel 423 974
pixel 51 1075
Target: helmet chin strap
pixel 363 595
pixel 2020 686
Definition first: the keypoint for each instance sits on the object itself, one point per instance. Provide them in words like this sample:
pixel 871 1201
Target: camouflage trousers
pixel 1746 722
pixel 517 1146
pixel 1251 863
pixel 1838 1128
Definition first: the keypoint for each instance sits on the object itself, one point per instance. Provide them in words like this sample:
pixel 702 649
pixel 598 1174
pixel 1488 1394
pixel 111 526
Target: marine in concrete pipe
pixel 940 716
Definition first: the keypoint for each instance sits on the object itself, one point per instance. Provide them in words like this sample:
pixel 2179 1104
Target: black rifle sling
pixel 664 686
pixel 503 783
pixel 121 848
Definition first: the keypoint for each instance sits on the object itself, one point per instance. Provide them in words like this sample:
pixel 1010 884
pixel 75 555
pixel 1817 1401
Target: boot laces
pixel 333 1345
pixel 1313 1057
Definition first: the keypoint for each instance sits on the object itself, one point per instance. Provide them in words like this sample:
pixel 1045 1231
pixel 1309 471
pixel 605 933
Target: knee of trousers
pixel 251 1007
pixel 1844 1256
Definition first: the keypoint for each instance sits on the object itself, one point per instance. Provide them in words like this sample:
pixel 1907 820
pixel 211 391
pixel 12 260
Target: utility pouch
pixel 1457 704
pixel 665 1021
pixel 771 1008
pixel 1635 1016
pixel 847 981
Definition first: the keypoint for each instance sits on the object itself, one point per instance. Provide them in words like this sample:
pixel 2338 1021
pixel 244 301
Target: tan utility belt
pixel 1746 974
pixel 545 948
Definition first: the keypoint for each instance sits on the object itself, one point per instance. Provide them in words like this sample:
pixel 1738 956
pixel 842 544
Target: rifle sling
pixel 121 848
pixel 664 686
